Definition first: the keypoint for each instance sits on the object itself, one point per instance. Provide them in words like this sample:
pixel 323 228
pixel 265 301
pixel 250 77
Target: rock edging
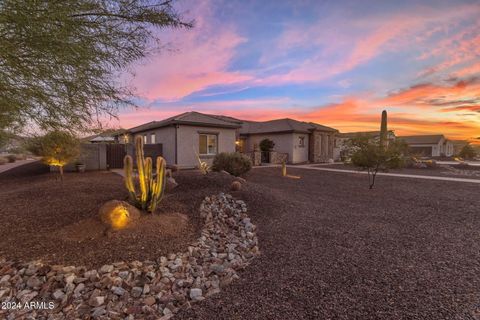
pixel 128 290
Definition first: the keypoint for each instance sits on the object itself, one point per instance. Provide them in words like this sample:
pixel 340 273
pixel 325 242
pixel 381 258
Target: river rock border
pixel 131 290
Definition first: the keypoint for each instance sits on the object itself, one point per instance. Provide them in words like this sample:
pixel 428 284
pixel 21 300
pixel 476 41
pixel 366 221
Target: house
pixel 340 146
pixel 300 141
pixel 189 134
pixel 429 145
pixel 107 136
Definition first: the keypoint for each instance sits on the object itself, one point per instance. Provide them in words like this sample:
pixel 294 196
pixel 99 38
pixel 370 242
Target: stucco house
pixel 300 141
pixel 429 145
pixel 191 133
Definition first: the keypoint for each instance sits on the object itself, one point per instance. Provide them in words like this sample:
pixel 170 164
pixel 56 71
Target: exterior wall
pixel 300 154
pixel 283 143
pixel 93 155
pixel 187 142
pixel 321 145
pixel 434 147
pixel 165 136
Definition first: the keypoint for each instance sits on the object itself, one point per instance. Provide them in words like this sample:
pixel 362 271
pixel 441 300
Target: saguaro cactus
pixel 151 188
pixel 383 130
pixel 284 169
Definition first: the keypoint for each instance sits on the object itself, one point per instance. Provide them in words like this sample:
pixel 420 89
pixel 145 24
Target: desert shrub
pixel 234 163
pixel 468 152
pixel 3 160
pixel 11 158
pixel 57 148
pixel 372 156
pixel 21 156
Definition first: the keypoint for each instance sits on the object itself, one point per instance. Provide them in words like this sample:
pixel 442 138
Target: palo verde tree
pixel 57 148
pixel 375 155
pixel 60 60
pixel 467 152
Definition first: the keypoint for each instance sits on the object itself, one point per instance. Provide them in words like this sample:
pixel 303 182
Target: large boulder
pixel 118 214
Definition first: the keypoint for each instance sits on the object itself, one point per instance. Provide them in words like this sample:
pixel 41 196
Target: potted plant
pixel 80 166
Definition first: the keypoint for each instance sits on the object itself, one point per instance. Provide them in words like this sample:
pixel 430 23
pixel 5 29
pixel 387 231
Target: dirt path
pixel 332 249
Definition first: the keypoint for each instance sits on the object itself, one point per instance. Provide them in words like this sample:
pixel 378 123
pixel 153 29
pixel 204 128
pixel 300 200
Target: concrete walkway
pixel 308 167
pixel 18 163
pixel 400 175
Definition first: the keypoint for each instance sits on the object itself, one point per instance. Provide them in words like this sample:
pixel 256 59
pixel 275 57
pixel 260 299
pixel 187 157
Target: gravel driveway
pixel 332 249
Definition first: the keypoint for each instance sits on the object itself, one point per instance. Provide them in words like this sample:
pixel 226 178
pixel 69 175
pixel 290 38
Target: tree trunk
pixel 61 172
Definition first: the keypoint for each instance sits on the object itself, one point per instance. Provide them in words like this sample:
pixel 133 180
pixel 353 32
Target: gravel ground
pixel 44 218
pixel 452 171
pixel 332 249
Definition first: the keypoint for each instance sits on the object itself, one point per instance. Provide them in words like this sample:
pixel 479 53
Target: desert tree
pixel 56 148
pixel 467 152
pixel 376 155
pixel 60 61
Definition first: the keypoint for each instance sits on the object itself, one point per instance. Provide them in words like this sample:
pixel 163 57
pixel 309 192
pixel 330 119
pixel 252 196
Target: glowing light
pixel 119 217
pixel 55 162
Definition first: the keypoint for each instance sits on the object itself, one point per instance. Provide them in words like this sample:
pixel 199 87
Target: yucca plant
pixel 202 165
pixel 151 188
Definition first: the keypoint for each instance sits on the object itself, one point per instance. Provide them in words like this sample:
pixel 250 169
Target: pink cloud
pixel 201 59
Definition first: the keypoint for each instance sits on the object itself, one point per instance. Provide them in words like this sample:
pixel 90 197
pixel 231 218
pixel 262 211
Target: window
pixel 152 138
pixel 301 142
pixel 207 144
pixel 144 139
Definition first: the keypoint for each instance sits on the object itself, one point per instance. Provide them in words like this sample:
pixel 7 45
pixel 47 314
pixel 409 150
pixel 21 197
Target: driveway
pixel 332 249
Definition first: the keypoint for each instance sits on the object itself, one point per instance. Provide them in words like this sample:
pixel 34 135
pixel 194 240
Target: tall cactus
pixel 383 130
pixel 151 189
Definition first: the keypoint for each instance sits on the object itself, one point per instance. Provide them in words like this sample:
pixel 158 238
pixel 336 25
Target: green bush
pixel 3 160
pixel 234 163
pixel 11 158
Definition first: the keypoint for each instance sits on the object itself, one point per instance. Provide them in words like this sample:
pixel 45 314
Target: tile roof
pixel 190 118
pixel 281 125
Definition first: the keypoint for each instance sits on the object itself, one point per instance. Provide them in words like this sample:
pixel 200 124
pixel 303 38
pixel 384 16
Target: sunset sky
pixel 338 63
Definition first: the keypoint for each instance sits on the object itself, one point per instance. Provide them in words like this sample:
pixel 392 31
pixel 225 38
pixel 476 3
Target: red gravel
pixel 333 249
pixel 44 218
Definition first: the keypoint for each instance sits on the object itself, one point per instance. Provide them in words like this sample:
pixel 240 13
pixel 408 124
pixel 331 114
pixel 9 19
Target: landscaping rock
pixel 236 186
pixel 118 214
pixel 141 289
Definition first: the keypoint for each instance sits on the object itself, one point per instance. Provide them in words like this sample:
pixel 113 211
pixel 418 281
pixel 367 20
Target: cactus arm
pixel 141 172
pixel 159 185
pixel 284 169
pixel 148 176
pixel 128 168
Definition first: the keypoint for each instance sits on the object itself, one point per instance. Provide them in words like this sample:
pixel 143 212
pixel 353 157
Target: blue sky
pixel 338 63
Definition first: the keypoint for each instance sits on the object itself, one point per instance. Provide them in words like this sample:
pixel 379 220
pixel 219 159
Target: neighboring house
pixel 341 139
pixel 189 134
pixel 108 136
pixel 301 141
pixel 429 145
